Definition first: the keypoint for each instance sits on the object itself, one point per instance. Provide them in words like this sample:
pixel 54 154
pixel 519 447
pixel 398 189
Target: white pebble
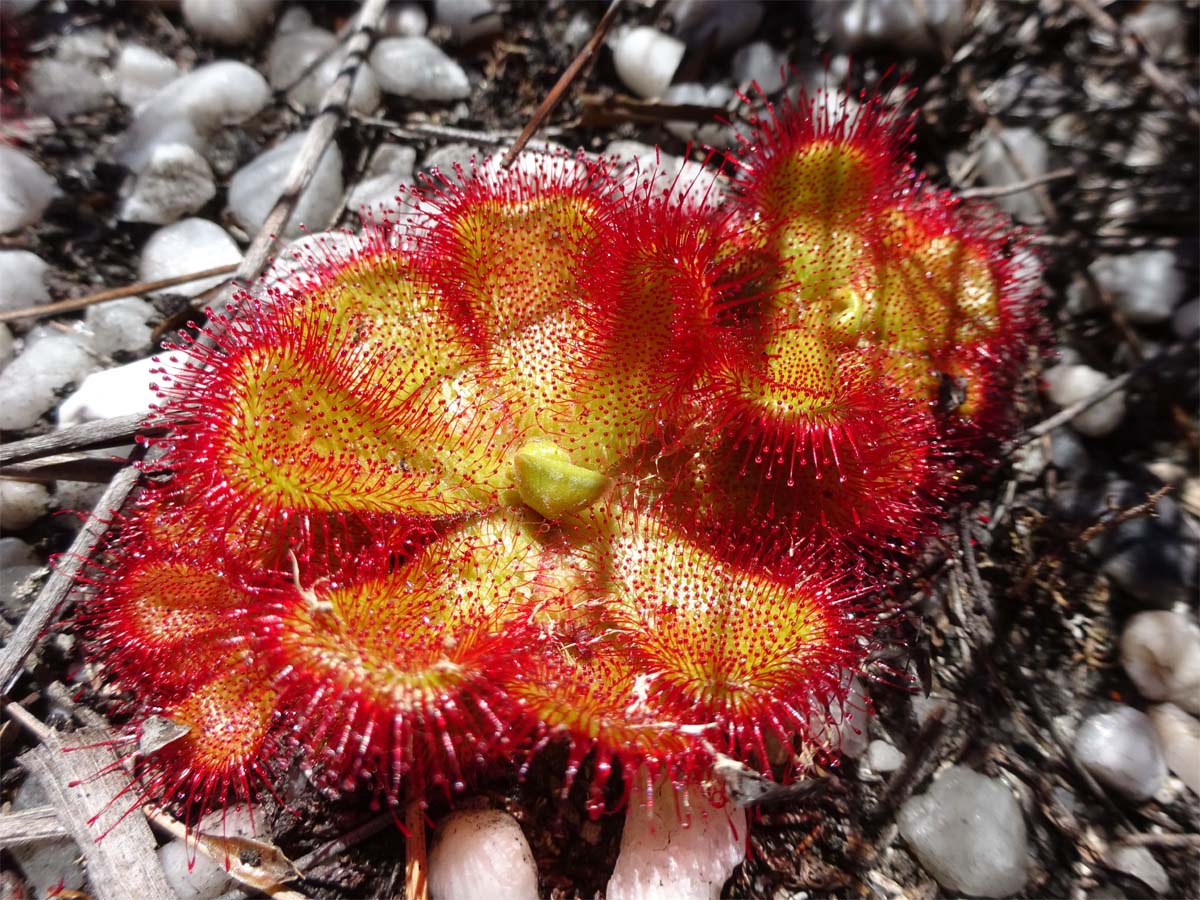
pixel 192 245
pixel 228 22
pixel 390 168
pixel 256 187
pixel 468 20
pixel 61 89
pixel 1067 384
pixel 1186 321
pixel 140 73
pixel 294 18
pixel 677 850
pixel 22 279
pixel 122 391
pixel 1122 752
pixel 481 853
pixel 646 60
pixel 1160 652
pixel 1141 864
pixel 1146 286
pixel 1162 27
pixel 710 133
pixel 903 24
pixel 6 346
pixel 883 757
pixel 682 177
pixel 1179 735
pixel 416 67
pixel 29 385
pixel 968 832
pixel 21 504
pixel 177 181
pixel 844 727
pixel 759 63
pixel 118 326
pixel 25 190
pixel 717 25
pixel 293 52
pixel 404 20
pixel 190 109
pixel 997 168
pixel 192 874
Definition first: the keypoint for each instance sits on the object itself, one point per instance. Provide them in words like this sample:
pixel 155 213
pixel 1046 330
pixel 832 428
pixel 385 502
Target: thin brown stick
pixel 1149 839
pixel 1015 187
pixel 72 304
pixel 114 432
pixel 559 90
pixel 416 886
pixel 69 467
pixel 29 825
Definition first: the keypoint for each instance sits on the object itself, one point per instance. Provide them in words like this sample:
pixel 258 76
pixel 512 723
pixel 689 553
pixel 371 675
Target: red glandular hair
pixel 572 456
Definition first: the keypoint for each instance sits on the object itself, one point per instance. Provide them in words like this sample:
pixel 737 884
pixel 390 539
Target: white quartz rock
pixel 677 851
pixel 22 279
pixel 122 391
pixel 1160 652
pixel 177 181
pixel 293 52
pixel 404 20
pixel 206 878
pixel 646 60
pixel 140 73
pixel 118 326
pixel 717 25
pixel 28 386
pixel 1067 384
pixel 416 67
pixel 21 504
pixel 903 24
pixel 996 168
pixel 1121 750
pixel 1179 735
pixel 481 853
pixel 759 63
pixel 256 187
pixel 191 108
pixel 883 757
pixel 1141 864
pixel 843 728
pixel 228 22
pixel 468 20
pixel 1146 286
pixel 681 177
pixel 192 245
pixel 711 133
pixel 60 89
pixel 968 832
pixel 25 190
pixel 390 168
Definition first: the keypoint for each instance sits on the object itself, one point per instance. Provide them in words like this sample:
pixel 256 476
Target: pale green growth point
pixel 551 484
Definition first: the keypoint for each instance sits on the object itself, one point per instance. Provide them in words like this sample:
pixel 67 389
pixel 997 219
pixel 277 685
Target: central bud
pixel 550 483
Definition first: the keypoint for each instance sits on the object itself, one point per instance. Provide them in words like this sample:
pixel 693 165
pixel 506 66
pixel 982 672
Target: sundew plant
pixel 568 457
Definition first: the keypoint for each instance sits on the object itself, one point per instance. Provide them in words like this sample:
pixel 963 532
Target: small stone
pixel 682 177
pixel 968 832
pixel 1161 27
pixel 416 67
pixel 404 20
pixel 1146 286
pixel 256 187
pixel 468 20
pixel 1160 652
pixel 681 848
pixel 30 384
pixel 140 73
pixel 759 63
pixel 176 182
pixel 119 326
pixel 390 169
pixel 294 18
pixel 1179 735
pixel 1141 864
pixel 62 89
pixel 291 55
pixel 228 22
pixel 192 245
pixel 715 25
pixel 883 757
pixel 25 190
pixel 121 391
pixel 646 60
pixel 15 552
pixel 1122 752
pixel 997 169
pixel 22 281
pixel 907 25
pixel 844 726
pixel 191 874
pixel 712 134
pixel 1067 384
pixel 1186 321
pixel 481 853
pixel 192 108
pixel 21 504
